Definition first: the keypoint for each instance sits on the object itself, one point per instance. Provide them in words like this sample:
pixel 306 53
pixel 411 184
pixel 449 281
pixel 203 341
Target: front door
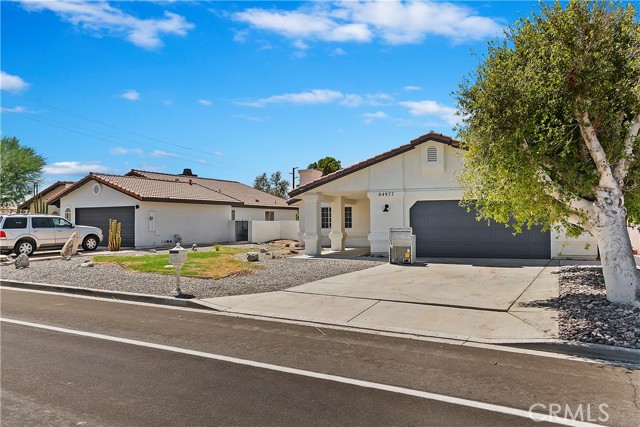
pixel 64 230
pixel 242 231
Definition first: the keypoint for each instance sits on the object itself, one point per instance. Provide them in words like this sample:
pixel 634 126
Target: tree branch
pixel 622 168
pixel 579 206
pixel 598 155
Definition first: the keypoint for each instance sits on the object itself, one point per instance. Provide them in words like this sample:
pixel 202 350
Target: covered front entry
pixel 444 229
pixel 99 217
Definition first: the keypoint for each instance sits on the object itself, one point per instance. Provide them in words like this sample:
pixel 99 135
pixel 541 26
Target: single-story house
pixel 414 185
pixel 155 209
pixel 44 196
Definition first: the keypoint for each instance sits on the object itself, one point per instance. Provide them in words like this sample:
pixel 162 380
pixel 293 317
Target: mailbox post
pixel 177 258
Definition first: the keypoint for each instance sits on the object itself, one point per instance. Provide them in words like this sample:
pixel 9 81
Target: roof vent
pixel 187 172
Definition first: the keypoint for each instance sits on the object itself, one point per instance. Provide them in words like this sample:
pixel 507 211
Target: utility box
pixel 402 246
pixel 178 256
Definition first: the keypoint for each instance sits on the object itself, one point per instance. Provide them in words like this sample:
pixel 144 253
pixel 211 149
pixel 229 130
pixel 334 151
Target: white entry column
pixel 337 234
pixel 312 232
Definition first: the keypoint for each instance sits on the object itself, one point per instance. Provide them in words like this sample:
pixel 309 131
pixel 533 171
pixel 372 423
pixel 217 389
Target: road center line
pixel 318 375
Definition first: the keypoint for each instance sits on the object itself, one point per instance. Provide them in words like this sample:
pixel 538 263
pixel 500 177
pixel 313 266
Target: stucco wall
pixel 84 197
pixel 265 231
pixel 257 214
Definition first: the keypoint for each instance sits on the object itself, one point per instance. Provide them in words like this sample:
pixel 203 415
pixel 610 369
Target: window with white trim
pixel 269 216
pixel 325 217
pixel 67 214
pixel 348 217
pixel 233 214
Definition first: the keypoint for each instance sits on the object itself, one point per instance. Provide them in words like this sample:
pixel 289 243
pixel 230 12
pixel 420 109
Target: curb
pixel 571 348
pixel 99 293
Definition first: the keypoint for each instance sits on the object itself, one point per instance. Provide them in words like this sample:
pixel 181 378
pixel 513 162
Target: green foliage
pixel 20 167
pixel 274 185
pixel 326 165
pixel 114 235
pixel 520 112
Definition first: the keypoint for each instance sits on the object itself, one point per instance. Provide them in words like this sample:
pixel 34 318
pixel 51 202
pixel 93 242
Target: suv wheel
pixel 24 247
pixel 90 243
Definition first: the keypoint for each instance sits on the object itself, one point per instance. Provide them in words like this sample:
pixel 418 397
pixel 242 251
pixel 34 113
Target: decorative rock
pixel 287 245
pixel 87 264
pixel 70 248
pixel 168 266
pixel 252 256
pixel 263 250
pixel 194 247
pixel 22 261
pixel 293 251
pixel 4 258
pixel 153 251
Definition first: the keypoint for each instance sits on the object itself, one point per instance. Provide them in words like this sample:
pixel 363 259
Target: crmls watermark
pixel 581 412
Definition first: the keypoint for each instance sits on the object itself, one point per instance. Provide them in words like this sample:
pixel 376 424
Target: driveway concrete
pixel 484 300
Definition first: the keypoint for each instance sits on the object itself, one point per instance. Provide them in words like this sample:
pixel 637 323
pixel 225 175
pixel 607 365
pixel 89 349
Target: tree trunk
pixel 621 276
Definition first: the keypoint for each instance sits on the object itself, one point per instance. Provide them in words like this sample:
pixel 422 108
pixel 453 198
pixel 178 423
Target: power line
pixel 106 124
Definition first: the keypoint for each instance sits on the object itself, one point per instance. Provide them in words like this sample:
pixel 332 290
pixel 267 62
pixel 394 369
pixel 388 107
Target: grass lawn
pixel 214 264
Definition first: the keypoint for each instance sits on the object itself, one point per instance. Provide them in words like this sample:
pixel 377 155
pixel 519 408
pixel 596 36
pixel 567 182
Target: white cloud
pixel 205 102
pixel 100 18
pixel 393 22
pixel 74 168
pixel 338 52
pixel 431 108
pixel 161 153
pixel 370 117
pixel 12 83
pixel 131 95
pixel 412 88
pixel 299 44
pixel 257 119
pixel 375 99
pixel 167 102
pixel 16 110
pixel 121 151
pixel 316 96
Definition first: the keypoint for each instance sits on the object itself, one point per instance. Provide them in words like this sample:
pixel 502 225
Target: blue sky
pixel 233 89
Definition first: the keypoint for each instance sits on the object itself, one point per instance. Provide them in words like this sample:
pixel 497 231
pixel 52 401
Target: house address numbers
pixel 385 194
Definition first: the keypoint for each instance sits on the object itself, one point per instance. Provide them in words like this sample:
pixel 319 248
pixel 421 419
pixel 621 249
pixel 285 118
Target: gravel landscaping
pixel 278 273
pixel 585 314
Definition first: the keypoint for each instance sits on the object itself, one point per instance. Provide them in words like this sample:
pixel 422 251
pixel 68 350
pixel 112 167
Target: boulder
pixel 87 264
pixel 263 250
pixel 70 248
pixel 5 258
pixel 22 261
pixel 194 247
pixel 153 251
pixel 253 256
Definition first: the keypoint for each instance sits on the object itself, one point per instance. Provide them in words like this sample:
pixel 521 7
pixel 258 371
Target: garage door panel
pixel 444 229
pixel 99 217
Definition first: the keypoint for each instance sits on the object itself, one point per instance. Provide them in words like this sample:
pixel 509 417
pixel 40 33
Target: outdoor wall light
pixel 386 208
pixel 137 206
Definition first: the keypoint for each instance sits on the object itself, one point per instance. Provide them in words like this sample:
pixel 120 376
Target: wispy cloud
pixel 131 95
pixel 257 119
pixel 392 22
pixel 372 99
pixel 316 96
pixel 338 52
pixel 12 83
pixel 412 88
pixel 370 117
pixel 431 108
pixel 74 168
pixel 121 151
pixel 205 102
pixel 161 153
pixel 16 110
pixel 100 18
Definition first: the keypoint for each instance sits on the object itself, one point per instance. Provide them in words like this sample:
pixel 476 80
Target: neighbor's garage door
pixel 99 217
pixel 444 229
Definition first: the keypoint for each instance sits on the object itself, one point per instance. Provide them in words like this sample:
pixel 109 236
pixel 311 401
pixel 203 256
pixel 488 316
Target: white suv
pixel 23 234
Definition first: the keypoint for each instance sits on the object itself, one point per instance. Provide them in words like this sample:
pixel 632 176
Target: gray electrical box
pixel 402 246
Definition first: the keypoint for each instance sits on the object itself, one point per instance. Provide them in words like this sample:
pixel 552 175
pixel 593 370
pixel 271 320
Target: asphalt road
pixel 190 368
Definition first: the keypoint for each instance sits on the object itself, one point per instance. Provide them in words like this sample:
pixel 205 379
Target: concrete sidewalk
pixel 477 300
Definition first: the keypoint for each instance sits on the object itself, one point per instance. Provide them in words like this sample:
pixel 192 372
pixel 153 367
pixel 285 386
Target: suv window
pixel 41 222
pixel 62 223
pixel 15 222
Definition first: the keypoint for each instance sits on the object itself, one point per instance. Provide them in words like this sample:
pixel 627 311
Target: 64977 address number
pixel 385 194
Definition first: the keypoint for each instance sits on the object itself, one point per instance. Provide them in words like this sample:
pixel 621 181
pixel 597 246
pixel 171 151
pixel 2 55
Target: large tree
pixel 274 185
pixel 20 168
pixel 326 165
pixel 550 121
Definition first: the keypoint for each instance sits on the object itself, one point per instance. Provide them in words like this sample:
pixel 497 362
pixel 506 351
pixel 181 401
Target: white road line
pixel 335 378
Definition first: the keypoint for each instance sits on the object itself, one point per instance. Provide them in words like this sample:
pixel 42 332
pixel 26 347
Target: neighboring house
pixel 414 185
pixel 155 208
pixel 43 197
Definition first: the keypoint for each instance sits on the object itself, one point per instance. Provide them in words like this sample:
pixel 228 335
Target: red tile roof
pixel 372 161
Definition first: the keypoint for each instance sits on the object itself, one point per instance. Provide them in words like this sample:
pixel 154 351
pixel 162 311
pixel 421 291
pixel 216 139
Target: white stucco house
pixel 155 208
pixel 414 185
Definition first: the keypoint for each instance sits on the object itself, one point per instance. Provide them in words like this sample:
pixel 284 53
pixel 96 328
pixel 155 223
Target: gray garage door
pixel 99 217
pixel 444 229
